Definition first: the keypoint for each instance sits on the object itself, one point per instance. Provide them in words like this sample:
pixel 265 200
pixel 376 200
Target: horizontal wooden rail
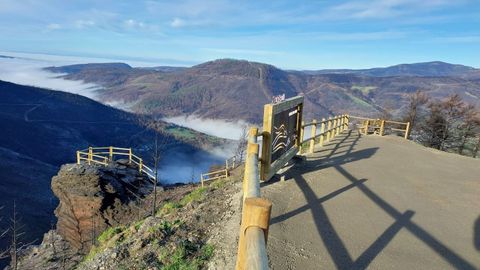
pixel 380 125
pixel 329 129
pixel 252 249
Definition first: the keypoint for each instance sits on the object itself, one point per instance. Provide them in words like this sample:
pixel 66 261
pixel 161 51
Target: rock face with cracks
pixel 94 197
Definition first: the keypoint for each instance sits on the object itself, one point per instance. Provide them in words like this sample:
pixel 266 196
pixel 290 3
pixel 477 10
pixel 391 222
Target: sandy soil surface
pixel 375 202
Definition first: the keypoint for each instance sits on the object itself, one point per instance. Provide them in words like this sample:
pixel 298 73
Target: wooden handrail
pixel 107 156
pixel 252 250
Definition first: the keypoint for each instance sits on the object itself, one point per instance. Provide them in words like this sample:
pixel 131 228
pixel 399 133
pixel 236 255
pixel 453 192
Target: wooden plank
pixel 395 122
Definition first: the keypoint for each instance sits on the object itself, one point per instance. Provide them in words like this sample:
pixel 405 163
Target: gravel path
pixel 374 202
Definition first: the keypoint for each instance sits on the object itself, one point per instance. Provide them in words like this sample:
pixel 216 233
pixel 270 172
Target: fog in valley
pixel 175 165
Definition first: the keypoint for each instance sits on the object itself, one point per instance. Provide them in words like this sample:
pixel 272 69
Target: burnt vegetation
pixel 448 124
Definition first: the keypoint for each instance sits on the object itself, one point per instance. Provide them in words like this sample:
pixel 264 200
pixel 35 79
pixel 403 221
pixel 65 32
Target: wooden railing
pixel 252 249
pixel 378 126
pixel 104 155
pixel 329 129
pixel 230 164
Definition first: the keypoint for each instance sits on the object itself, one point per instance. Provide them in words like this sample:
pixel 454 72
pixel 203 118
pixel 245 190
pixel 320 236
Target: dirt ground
pixel 370 202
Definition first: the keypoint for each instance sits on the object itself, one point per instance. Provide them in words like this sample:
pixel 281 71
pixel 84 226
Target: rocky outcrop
pixel 94 197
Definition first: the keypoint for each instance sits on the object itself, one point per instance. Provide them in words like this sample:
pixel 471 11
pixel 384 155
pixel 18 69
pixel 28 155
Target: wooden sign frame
pixel 269 168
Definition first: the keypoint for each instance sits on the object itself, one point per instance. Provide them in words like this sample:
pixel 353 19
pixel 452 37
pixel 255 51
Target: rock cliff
pixel 94 197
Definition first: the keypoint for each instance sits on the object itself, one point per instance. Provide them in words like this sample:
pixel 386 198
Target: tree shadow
pixel 332 241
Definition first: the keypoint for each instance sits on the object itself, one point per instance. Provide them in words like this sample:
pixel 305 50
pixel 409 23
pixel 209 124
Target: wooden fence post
pixel 90 154
pixel 140 166
pixel 78 157
pixel 338 125
pixel 334 127
pixel 322 131
pixel 348 121
pixel 254 233
pixel 382 127
pixel 110 153
pixel 201 178
pixel 252 149
pixel 366 127
pixel 313 133
pixel 302 135
pixel 129 155
pixel 407 131
pixel 329 126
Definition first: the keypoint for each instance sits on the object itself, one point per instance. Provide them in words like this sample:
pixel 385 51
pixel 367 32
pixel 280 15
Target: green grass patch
pixel 168 208
pixel 186 256
pixel 219 183
pixel 138 224
pixel 109 233
pixel 196 195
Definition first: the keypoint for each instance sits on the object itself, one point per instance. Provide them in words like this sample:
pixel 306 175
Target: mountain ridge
pixel 232 89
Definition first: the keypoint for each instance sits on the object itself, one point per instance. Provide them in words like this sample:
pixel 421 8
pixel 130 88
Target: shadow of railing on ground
pixel 333 243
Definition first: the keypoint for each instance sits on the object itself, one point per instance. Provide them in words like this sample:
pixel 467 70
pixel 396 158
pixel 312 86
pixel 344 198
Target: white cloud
pixel 30 72
pixel 131 23
pixel 81 24
pixel 177 22
pixel 242 51
pixel 218 128
pixel 377 9
pixel 54 26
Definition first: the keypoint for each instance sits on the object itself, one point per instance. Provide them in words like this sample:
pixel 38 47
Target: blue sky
pixel 288 34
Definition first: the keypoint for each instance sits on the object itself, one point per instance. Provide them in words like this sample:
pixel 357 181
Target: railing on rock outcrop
pixel 104 155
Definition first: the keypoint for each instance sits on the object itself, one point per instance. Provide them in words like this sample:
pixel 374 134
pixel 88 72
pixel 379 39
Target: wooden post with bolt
pixel 407 130
pixel 366 127
pixel 129 155
pixel 140 166
pixel 110 153
pixel 78 157
pixel 329 126
pixel 302 135
pixel 322 131
pixel 382 127
pixel 252 253
pixel 90 155
pixel 334 134
pixel 337 130
pixel 313 133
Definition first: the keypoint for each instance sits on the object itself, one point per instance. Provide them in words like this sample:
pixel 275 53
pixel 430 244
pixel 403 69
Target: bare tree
pixel 4 253
pixel 453 109
pixel 432 127
pixel 470 127
pixel 477 147
pixel 415 102
pixel 241 145
pixel 16 233
pixel 450 124
pixel 156 160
